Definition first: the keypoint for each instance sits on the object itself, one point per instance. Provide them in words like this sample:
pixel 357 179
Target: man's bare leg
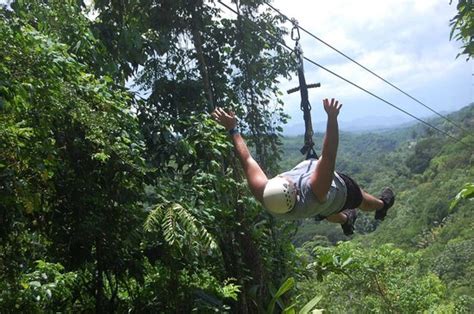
pixel 370 202
pixel 346 219
pixel 339 218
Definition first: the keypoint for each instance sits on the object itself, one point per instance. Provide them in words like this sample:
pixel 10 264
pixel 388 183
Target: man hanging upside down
pixel 312 188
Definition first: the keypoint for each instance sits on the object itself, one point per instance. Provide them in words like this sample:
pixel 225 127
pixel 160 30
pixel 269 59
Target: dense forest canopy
pixel 119 198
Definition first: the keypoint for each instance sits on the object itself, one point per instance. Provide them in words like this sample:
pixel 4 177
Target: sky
pixel 404 41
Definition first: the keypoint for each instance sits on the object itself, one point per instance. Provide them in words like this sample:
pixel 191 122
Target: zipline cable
pixel 381 99
pixel 350 82
pixel 365 68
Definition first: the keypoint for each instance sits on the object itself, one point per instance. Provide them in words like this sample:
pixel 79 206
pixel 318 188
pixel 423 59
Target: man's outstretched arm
pixel 322 177
pixel 256 178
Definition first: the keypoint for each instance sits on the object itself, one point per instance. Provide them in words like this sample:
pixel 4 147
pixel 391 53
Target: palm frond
pixel 178 223
pixel 154 218
pixel 193 225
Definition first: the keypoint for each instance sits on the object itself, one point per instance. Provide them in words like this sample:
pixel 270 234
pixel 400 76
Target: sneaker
pixel 388 198
pixel 348 226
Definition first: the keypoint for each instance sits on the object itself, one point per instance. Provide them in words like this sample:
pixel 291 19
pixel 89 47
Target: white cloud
pixel 404 41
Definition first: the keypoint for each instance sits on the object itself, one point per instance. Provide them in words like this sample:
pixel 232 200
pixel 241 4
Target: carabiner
pixel 295 35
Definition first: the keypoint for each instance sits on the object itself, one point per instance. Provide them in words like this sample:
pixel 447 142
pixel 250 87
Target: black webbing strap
pixel 305 106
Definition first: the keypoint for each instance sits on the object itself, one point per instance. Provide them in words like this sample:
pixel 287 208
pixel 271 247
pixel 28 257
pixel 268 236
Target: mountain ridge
pixel 366 124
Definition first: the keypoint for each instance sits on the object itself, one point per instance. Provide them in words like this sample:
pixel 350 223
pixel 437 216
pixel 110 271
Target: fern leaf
pixel 154 218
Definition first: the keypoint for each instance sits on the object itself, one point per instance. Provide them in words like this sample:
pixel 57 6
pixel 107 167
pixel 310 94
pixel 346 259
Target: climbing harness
pixel 305 106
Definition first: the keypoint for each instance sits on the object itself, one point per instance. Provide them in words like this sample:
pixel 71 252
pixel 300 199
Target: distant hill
pixel 370 123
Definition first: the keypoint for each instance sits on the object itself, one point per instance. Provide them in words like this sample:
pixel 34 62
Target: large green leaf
pixel 310 305
pixel 285 287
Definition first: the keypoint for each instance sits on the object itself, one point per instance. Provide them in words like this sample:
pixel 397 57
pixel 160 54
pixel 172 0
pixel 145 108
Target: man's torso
pixel 307 204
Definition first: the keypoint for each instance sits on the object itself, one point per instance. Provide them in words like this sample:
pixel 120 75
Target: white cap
pixel 279 196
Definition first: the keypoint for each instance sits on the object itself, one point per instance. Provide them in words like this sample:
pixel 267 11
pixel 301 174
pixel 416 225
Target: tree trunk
pixel 99 282
pixel 252 259
pixel 197 40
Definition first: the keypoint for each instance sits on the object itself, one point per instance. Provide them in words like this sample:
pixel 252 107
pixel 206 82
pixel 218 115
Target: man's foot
pixel 348 226
pixel 388 198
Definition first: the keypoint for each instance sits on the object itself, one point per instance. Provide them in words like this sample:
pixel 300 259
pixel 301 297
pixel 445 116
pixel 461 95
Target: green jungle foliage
pixel 113 203
pixel 462 27
pixel 113 200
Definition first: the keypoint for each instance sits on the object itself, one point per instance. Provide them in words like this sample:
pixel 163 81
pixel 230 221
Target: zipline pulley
pixel 305 106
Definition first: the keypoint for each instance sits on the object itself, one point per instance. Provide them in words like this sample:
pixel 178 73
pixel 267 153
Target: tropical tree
pixel 71 165
pixel 462 26
pixel 196 59
pixel 128 241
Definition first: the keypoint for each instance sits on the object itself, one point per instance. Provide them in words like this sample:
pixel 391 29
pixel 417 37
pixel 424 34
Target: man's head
pixel 279 195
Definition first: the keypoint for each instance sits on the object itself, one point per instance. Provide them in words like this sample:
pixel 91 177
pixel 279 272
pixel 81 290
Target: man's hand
pixel 332 107
pixel 227 120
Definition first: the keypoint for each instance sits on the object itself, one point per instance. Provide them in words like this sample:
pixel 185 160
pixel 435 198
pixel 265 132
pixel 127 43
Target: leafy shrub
pixel 47 288
pixel 385 279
